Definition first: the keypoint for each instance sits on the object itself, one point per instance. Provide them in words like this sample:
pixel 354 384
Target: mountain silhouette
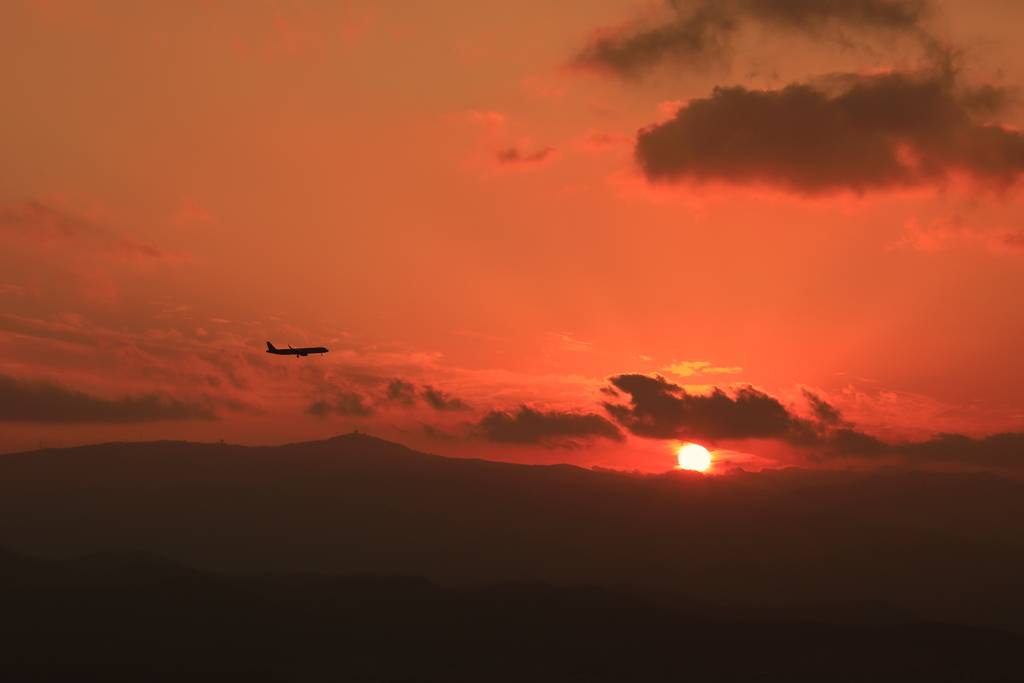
pixel 863 551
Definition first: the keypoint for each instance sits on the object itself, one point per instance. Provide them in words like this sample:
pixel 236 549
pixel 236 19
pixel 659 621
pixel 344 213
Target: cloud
pixel 663 410
pixel 531 426
pixel 439 400
pixel 855 132
pixel 38 401
pixel 347 403
pixel 696 33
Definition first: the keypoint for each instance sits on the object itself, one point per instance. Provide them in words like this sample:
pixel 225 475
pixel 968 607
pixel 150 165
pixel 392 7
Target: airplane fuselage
pixel 295 352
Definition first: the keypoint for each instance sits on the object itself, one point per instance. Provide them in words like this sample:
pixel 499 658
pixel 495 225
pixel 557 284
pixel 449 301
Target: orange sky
pixel 452 195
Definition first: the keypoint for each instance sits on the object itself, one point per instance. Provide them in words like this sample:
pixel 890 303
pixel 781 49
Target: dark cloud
pixel 345 403
pixel 531 426
pixel 439 400
pixel 882 131
pixel 995 450
pixel 401 391
pixel 660 409
pixel 703 30
pixel 845 442
pixel 35 401
pixel 1004 450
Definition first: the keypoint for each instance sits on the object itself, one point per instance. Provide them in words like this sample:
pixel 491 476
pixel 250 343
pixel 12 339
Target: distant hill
pixel 357 504
pixel 971 505
pixel 138 617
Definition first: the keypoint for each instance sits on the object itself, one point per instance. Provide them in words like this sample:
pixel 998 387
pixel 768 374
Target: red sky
pixel 484 206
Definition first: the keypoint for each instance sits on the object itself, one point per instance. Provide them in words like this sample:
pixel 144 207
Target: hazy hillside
pixel 359 504
pixel 972 505
pixel 137 617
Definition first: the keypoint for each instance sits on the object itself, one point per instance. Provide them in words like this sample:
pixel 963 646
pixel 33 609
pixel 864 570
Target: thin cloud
pixel 48 225
pixel 700 367
pixel 189 211
pixel 131 248
pixel 860 132
pixel 700 32
pixel 439 400
pixel 346 403
pixel 1007 241
pixel 42 223
pixel 952 232
pixel 432 432
pixel 494 148
pixel 598 140
pixel 38 401
pixel 20 290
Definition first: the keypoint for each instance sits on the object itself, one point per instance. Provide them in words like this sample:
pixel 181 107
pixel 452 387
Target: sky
pixel 583 232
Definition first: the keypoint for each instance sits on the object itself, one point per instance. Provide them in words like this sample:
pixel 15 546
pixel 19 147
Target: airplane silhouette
pixel 295 352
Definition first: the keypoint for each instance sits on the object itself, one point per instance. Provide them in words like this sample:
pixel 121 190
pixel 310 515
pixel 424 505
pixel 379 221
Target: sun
pixel 693 456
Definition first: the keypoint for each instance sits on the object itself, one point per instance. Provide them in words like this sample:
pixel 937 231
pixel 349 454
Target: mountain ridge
pixel 357 504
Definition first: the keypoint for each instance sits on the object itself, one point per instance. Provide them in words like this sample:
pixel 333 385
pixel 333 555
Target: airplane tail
pixel 270 347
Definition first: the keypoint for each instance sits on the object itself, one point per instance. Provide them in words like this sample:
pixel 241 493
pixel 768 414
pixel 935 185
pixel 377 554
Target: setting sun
pixel 694 457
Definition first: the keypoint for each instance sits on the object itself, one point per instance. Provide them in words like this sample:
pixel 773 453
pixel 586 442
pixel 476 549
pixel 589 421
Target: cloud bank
pixel 346 403
pixel 439 400
pixel 659 409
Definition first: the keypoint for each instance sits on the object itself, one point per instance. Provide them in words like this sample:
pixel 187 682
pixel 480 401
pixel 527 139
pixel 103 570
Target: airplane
pixel 295 352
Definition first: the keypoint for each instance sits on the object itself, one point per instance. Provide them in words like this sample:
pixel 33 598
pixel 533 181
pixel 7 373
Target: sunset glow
pixel 482 213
